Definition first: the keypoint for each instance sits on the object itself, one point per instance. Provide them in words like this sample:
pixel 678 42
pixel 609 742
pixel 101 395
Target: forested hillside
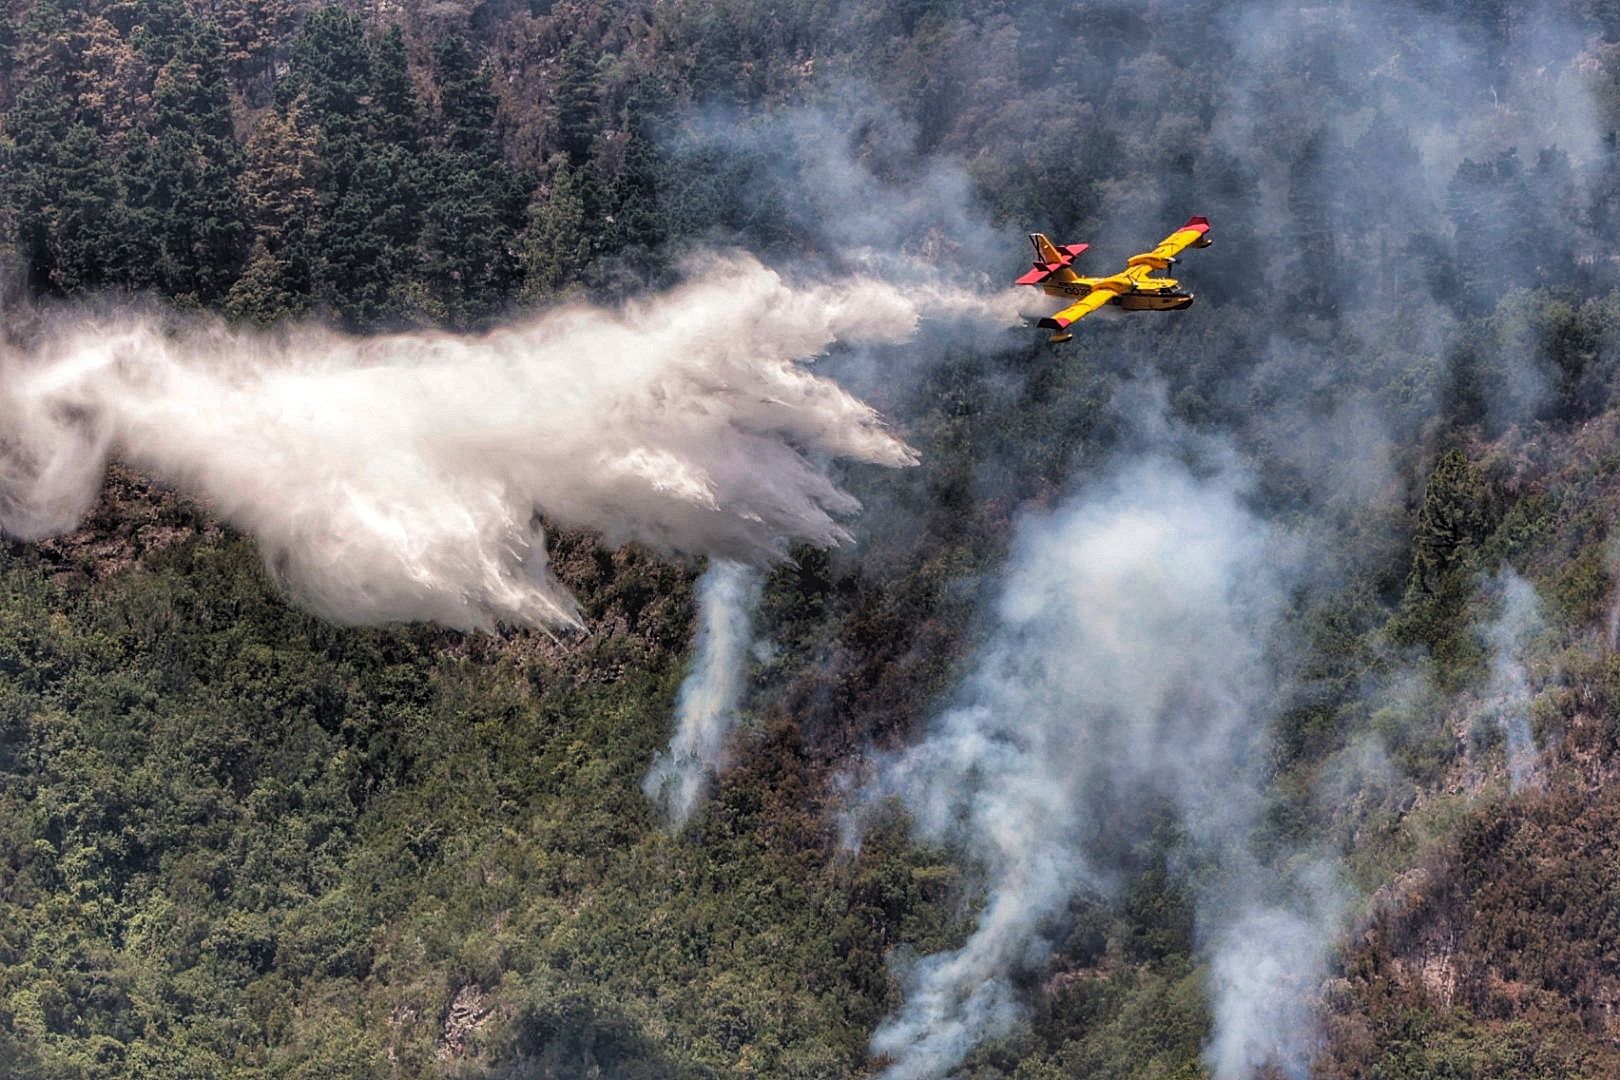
pixel 1226 693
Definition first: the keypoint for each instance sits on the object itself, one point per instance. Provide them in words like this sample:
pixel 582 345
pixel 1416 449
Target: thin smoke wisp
pixel 706 709
pixel 1509 636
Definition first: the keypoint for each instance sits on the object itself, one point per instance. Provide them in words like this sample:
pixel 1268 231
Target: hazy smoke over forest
pixel 401 477
pixel 1131 661
pixel 706 708
pixel 845 180
pixel 1126 677
pixel 1376 177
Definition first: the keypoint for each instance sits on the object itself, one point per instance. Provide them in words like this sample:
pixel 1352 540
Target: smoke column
pixel 404 477
pixel 706 709
pixel 1126 669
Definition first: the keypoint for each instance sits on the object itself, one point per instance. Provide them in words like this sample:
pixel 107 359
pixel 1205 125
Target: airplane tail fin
pixel 1051 261
pixel 1045 250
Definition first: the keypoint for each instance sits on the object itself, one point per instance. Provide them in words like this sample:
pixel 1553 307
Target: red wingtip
pixel 1199 223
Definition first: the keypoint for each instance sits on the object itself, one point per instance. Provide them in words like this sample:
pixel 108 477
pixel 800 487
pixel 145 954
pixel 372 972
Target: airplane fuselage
pixel 1154 294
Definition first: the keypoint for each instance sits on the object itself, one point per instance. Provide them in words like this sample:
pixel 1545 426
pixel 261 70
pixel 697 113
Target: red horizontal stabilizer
pixel 1044 270
pixel 1199 223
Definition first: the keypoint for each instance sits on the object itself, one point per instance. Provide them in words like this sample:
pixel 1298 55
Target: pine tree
pixel 158 29
pixel 252 31
pixel 556 247
pixel 45 47
pixel 367 217
pixel 278 183
pixel 1474 201
pixel 329 73
pixel 110 79
pixel 630 198
pixel 466 104
pixel 472 220
pixel 1314 221
pixel 185 230
pixel 382 209
pixel 8 56
pixel 60 190
pixel 1457 514
pixel 578 111
pixel 368 237
pixel 270 289
pixel 280 199
pixel 396 112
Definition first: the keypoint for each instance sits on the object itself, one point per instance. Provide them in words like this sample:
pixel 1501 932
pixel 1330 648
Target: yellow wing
pixel 1193 234
pixel 1093 300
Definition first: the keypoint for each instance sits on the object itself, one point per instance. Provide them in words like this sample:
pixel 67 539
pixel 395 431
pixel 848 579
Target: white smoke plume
pixel 1267 958
pixel 706 709
pixel 1509 636
pixel 1126 669
pixel 1611 562
pixel 404 477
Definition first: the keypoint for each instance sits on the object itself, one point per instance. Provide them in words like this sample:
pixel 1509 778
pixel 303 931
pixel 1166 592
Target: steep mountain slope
pixel 240 841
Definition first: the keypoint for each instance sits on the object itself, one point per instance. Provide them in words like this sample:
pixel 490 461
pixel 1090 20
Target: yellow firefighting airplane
pixel 1133 288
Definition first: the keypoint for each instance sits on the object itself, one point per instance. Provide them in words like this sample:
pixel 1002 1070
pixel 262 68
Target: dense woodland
pixel 238 842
